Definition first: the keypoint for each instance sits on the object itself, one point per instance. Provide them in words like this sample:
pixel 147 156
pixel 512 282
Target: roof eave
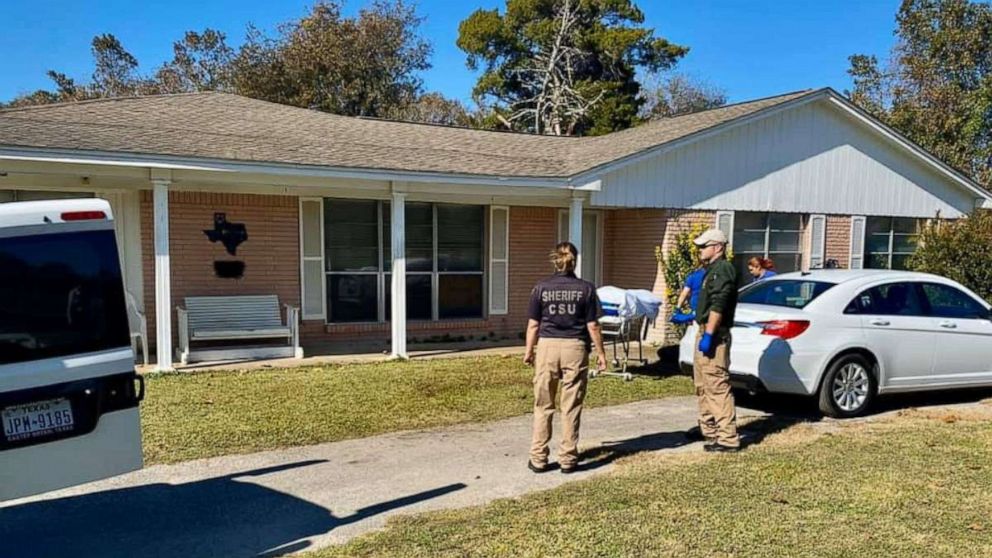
pixel 154 161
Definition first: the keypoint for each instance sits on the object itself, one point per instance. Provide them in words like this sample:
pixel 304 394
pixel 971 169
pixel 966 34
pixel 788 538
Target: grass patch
pixel 914 486
pixel 206 414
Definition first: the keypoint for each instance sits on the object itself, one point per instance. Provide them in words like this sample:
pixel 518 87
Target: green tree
pixel 200 62
pixel 679 94
pixel 115 75
pixel 936 88
pixel 563 66
pixel 116 72
pixel 367 65
pixel 362 66
pixel 960 250
pixel 433 108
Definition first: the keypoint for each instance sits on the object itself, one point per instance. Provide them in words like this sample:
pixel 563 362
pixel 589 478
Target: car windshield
pixel 794 293
pixel 60 294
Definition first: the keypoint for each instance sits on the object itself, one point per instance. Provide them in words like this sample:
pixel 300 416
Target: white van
pixel 68 389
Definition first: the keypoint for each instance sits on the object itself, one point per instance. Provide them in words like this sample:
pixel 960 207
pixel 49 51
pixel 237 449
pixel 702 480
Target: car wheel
pixel 848 387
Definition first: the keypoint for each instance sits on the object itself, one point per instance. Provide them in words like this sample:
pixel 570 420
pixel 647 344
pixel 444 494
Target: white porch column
pixel 163 286
pixel 575 230
pixel 398 309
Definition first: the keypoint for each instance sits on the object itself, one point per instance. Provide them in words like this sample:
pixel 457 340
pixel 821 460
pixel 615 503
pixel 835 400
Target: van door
pixel 68 390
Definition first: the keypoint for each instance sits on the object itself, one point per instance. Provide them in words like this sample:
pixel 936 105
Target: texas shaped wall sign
pixel 231 235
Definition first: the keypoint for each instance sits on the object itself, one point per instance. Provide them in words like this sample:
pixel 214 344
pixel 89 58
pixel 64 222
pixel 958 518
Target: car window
pixel 947 302
pixel 893 299
pixel 783 292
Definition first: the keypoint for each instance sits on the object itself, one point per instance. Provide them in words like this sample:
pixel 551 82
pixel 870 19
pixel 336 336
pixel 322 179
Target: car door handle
pixel 948 325
pixel 879 322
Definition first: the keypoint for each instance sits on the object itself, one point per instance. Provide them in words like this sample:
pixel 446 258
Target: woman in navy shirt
pixel 563 324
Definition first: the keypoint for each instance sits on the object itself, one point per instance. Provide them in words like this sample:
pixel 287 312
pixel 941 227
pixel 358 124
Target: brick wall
pixel 629 242
pixel 630 238
pixel 271 253
pixel 533 235
pixel 839 239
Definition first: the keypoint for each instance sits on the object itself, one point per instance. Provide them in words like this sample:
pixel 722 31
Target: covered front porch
pixel 422 294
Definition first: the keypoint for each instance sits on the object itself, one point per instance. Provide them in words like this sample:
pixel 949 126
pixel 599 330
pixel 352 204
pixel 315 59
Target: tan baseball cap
pixel 711 236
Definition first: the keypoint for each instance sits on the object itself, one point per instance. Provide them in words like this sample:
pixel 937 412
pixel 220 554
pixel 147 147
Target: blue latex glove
pixel 706 345
pixel 682 318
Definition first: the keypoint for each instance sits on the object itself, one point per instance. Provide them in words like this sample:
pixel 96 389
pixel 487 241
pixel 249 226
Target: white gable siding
pixel 810 159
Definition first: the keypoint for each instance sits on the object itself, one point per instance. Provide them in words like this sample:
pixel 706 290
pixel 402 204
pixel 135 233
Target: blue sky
pixel 750 49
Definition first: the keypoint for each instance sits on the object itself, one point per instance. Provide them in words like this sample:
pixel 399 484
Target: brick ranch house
pixel 803 177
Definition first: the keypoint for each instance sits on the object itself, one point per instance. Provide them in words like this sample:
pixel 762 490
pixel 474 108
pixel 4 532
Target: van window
pixel 60 294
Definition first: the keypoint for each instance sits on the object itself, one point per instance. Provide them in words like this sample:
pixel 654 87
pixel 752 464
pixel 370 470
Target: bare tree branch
pixel 556 104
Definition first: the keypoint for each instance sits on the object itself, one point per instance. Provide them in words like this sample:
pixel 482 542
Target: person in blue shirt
pixel 690 292
pixel 693 282
pixel 761 268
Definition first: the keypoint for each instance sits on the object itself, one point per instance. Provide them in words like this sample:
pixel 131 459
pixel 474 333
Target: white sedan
pixel 846 336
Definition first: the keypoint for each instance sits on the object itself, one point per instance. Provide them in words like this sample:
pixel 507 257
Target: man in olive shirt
pixel 711 365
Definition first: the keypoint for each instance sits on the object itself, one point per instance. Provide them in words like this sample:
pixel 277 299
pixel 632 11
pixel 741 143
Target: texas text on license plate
pixel 33 420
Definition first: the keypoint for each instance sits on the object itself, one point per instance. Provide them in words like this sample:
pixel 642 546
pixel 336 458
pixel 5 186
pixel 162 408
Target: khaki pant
pixel 711 376
pixel 564 362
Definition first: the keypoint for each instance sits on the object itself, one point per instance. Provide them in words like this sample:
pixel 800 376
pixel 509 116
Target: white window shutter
pixel 857 242
pixel 312 279
pixel 499 259
pixel 818 241
pixel 562 225
pixel 725 222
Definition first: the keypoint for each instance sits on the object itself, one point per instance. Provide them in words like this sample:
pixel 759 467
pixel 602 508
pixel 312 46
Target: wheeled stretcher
pixel 627 316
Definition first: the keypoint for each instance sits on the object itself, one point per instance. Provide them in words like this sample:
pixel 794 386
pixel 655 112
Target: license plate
pixel 34 420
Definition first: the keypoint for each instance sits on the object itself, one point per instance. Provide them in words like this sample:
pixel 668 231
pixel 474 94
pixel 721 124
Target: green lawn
pixel 912 486
pixel 206 414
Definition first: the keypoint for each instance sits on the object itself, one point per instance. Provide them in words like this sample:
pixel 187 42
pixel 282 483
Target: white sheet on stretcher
pixel 631 302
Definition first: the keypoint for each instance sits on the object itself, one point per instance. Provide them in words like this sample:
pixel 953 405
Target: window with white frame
pixel 445 260
pixel 890 241
pixel 776 236
pixel 591 237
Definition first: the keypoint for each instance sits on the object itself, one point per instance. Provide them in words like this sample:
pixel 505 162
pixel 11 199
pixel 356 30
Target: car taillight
pixel 83 215
pixel 785 329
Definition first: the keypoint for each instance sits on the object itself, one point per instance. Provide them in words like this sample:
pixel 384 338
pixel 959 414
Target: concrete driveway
pixel 297 499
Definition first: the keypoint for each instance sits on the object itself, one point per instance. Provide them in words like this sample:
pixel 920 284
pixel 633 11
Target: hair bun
pixel 564 257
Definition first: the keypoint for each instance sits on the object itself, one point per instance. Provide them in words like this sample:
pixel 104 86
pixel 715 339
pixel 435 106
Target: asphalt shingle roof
pixel 226 126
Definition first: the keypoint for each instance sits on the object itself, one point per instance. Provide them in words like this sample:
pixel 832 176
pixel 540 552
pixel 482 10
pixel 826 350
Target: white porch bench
pixel 233 318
